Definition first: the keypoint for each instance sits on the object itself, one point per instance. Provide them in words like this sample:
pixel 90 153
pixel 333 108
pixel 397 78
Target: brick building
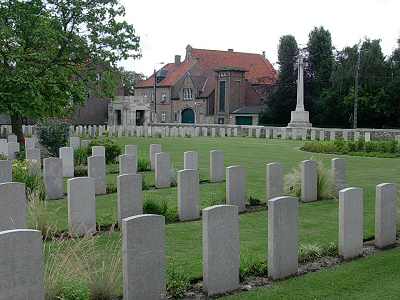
pixel 208 86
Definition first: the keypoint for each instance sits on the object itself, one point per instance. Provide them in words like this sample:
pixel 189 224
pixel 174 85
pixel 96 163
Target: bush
pixel 152 207
pixel 80 156
pixel 143 165
pixel 325 189
pixel 53 135
pixel 254 201
pixel 111 188
pixel 313 252
pixel 112 149
pixel 177 282
pixel 80 171
pixel 24 172
pixel 359 148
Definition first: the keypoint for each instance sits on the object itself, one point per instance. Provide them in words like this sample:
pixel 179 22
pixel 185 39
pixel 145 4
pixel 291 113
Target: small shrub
pixel 53 135
pixel 38 215
pixel 173 178
pixel 80 171
pixel 158 135
pixel 177 282
pixel 153 207
pixel 313 252
pixel 112 149
pixel 80 156
pixel 143 165
pixel 25 172
pixel 111 188
pixel 254 201
pixel 325 189
pixel 3 157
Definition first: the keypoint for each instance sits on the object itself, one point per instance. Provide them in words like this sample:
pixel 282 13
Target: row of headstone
pixel 144 262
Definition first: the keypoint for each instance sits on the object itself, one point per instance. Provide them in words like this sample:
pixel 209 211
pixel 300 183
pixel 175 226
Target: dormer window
pixel 187 94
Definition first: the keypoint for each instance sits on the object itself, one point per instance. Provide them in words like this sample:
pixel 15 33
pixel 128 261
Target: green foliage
pixel 81 156
pixel 143 165
pixel 153 207
pixel 358 148
pixel 325 188
pixel 283 97
pixel 53 135
pixel 80 171
pixel 111 188
pixel 48 49
pixel 177 282
pixel 249 267
pixel 253 201
pixel 113 150
pixel 313 252
pixel 25 172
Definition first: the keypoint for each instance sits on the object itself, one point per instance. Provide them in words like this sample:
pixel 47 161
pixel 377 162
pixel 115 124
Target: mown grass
pixel 373 277
pixel 318 220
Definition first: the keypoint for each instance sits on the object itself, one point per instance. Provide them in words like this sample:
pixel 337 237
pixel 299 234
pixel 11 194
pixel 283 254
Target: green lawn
pixel 373 277
pixel 318 220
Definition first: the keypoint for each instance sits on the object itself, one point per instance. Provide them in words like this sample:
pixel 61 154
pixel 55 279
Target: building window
pixel 163 116
pixel 221 120
pixel 222 96
pixel 187 94
pixel 176 117
pixel 163 97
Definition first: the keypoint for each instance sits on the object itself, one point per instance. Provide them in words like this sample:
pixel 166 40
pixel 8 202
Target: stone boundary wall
pixel 218 130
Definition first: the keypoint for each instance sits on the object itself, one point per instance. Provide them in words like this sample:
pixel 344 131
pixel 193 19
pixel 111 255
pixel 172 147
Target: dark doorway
pixel 188 116
pixel 140 117
pixel 118 116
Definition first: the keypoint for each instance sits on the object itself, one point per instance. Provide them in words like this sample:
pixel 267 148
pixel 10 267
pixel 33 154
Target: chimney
pixel 188 52
pixel 263 54
pixel 230 50
pixel 177 60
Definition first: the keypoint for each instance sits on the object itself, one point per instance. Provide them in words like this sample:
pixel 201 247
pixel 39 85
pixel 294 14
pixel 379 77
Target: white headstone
pixel 12 138
pixel 283 237
pixel 97 171
pixel 130 196
pixel 190 160
pixel 21 265
pixel 217 168
pixel 13 206
pixel 75 142
pixel 163 170
pixel 127 164
pixel 67 157
pixel 53 178
pixel 188 194
pixel 338 167
pixel 309 181
pixel 385 215
pixel 81 206
pixel 143 257
pixel 154 149
pixel 350 222
pixel 221 249
pixel 236 187
pixel 99 151
pixel 274 176
pixel 5 171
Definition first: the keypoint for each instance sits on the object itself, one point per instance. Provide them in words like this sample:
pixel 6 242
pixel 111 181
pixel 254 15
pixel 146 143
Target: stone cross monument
pixel 300 117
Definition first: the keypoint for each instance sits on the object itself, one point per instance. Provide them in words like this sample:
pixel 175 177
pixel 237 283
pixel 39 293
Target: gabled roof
pixel 259 69
pixel 203 63
pixel 174 73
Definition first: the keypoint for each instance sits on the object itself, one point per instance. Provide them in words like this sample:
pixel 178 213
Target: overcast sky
pixel 167 26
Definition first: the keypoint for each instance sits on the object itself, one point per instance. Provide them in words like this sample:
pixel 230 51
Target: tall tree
pixel 318 71
pixel 283 98
pixel 129 80
pixel 52 51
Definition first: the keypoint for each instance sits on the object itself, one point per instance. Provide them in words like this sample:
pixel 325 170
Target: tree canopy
pixel 54 52
pixel 330 84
